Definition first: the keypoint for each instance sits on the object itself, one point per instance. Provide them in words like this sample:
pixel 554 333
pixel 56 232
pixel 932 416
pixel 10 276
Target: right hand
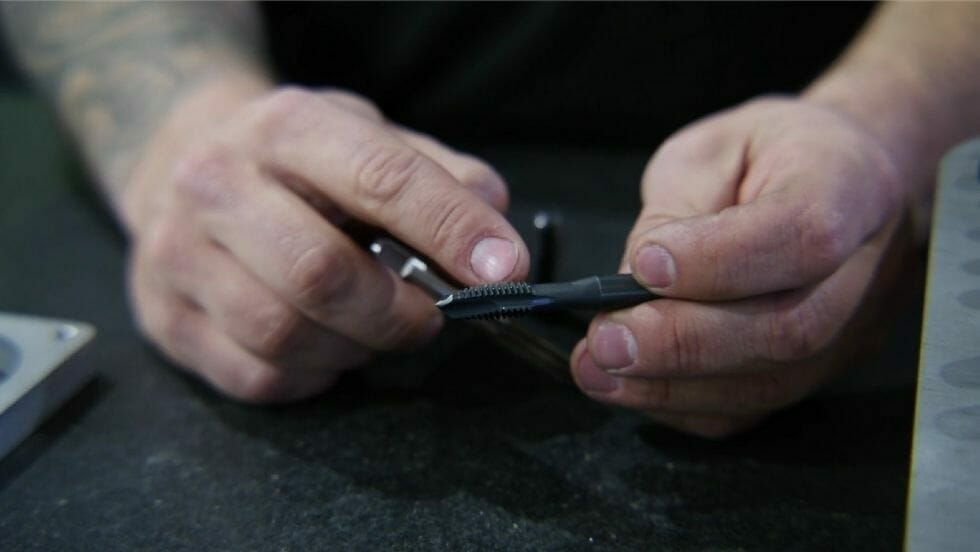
pixel 238 269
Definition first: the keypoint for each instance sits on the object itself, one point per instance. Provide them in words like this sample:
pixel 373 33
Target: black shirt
pixel 573 73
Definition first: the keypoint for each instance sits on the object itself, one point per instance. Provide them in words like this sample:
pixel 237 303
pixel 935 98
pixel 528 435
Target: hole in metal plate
pixel 9 358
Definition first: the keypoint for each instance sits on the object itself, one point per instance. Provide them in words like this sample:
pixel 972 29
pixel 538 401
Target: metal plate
pixel 35 377
pixel 944 494
pixel 9 358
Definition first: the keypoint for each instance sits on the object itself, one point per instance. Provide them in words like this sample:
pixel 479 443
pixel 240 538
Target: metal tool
pixel 409 267
pixel 520 298
pixel 546 226
pixel 513 337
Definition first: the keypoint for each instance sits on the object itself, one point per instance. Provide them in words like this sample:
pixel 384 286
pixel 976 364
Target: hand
pixel 763 227
pixel 238 268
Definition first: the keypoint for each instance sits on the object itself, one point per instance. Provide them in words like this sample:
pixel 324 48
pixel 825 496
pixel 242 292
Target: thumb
pixel 694 173
pixel 785 238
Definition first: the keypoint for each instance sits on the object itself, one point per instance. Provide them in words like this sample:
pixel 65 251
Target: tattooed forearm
pixel 115 68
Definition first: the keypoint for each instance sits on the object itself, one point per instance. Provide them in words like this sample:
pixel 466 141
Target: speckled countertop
pixel 464 449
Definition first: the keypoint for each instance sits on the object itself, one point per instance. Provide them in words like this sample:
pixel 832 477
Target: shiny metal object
pixel 409 266
pixel 35 375
pixel 514 299
pixel 511 335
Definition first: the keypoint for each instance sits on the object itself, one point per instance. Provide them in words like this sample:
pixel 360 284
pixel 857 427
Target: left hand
pixel 763 228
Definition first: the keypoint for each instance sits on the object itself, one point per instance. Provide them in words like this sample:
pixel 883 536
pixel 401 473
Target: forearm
pixel 115 69
pixel 912 78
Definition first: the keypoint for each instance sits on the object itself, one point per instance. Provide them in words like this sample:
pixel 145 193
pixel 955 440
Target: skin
pixel 233 192
pixel 770 228
pixel 773 227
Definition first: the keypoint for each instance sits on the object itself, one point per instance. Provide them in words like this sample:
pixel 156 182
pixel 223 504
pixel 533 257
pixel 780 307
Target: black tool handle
pixel 611 291
pixel 622 289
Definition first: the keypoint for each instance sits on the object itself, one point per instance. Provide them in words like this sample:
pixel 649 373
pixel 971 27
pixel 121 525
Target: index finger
pixel 380 179
pixel 733 210
pixel 781 240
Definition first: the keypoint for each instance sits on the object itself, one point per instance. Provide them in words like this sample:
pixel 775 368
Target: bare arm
pixel 115 69
pixel 232 190
pixel 912 77
pixel 770 228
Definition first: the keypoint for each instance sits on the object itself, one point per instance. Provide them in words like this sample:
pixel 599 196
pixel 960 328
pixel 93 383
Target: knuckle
pixel 789 335
pixel 796 331
pixel 680 346
pixel 355 103
pixel 320 277
pixel 477 174
pixel 204 177
pixel 691 145
pixel 258 384
pixel 383 173
pixel 285 112
pixel 823 238
pixel 163 247
pixel 286 103
pixel 274 330
pixel 448 225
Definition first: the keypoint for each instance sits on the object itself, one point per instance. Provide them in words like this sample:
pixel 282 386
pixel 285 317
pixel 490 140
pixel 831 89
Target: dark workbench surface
pixel 466 449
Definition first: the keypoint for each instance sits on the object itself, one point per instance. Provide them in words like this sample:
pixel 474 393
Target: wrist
pixel 911 79
pixel 898 112
pixel 892 112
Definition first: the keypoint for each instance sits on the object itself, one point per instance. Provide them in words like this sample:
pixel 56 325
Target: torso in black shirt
pixel 604 73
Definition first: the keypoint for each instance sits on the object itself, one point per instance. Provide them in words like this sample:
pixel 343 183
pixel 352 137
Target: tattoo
pixel 114 69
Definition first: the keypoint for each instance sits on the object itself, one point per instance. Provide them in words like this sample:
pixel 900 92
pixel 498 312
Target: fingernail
pixel 493 259
pixel 655 267
pixel 614 346
pixel 591 378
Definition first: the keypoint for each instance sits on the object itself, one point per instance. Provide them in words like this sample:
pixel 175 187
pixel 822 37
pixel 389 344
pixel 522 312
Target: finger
pixel 304 260
pixel 742 395
pixel 187 337
pixel 474 174
pixel 248 311
pixel 376 177
pixel 695 172
pixel 354 103
pixel 670 338
pixel 604 387
pixel 793 224
pixel 779 241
